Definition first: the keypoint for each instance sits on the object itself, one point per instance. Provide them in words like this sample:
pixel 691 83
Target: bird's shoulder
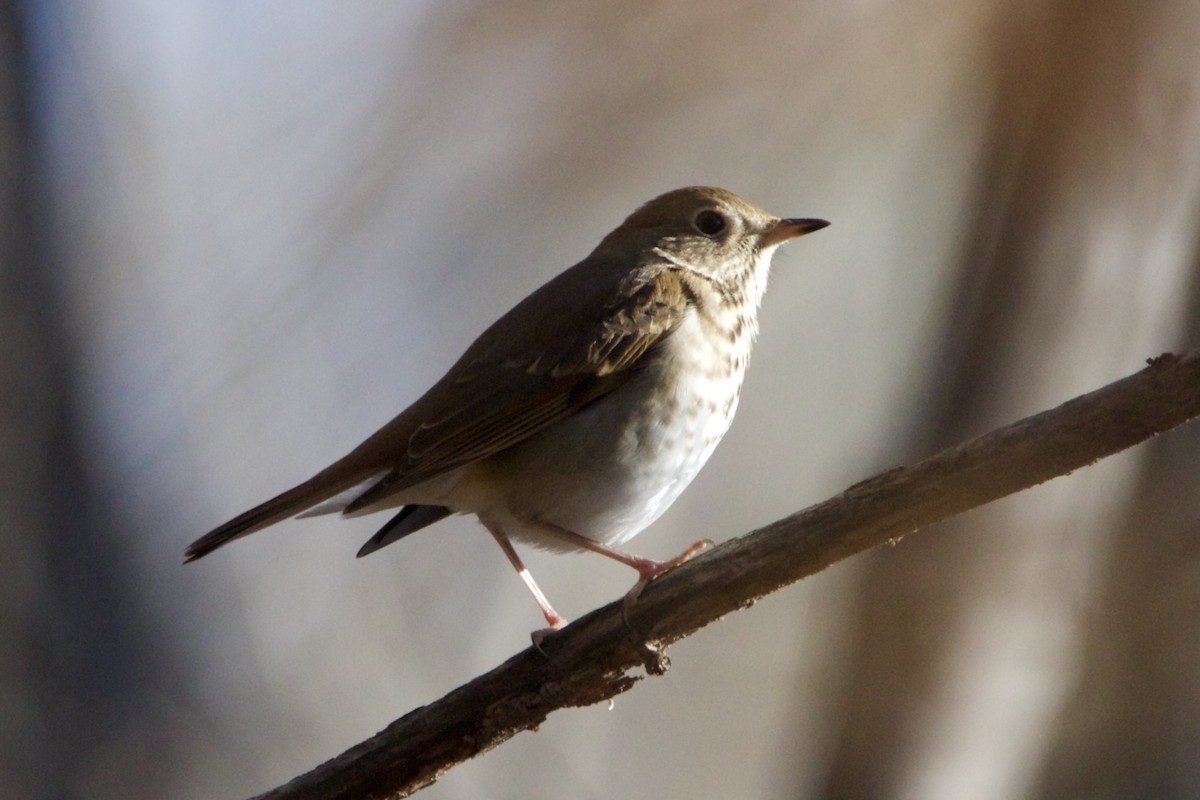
pixel 593 319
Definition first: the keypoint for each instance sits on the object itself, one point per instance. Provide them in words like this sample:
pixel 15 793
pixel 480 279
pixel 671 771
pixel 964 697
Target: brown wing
pixel 521 376
pixel 577 338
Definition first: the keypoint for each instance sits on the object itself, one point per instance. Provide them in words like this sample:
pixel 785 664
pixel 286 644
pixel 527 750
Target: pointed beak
pixel 791 228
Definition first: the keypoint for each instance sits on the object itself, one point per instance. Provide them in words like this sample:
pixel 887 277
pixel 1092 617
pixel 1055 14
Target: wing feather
pixel 504 389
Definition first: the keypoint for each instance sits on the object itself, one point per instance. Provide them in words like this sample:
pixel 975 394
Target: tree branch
pixel 594 658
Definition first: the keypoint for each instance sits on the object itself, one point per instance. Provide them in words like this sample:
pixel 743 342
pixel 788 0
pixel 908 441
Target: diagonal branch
pixel 592 659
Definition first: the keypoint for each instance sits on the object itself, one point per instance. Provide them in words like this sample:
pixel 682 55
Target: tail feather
pixel 409 520
pixel 336 504
pixel 277 509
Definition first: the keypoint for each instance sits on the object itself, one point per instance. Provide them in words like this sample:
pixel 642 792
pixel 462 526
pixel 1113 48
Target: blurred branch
pixel 592 660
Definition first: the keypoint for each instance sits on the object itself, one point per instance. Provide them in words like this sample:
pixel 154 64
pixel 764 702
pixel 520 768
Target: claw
pixel 649 570
pixel 539 636
pixel 630 601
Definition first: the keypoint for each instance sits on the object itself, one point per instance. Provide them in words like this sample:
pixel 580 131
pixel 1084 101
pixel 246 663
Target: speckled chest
pixel 614 467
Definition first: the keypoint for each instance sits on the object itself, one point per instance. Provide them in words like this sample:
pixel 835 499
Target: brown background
pixel 236 238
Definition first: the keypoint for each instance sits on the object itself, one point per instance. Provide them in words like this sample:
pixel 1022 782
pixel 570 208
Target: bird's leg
pixel 553 618
pixel 647 569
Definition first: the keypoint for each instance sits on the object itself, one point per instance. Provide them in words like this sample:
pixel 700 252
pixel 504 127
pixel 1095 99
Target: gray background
pixel 235 238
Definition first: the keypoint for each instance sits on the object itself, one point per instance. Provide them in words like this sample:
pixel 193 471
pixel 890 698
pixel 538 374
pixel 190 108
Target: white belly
pixel 613 468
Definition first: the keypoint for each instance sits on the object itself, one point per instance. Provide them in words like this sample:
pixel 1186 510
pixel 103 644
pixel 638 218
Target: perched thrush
pixel 576 419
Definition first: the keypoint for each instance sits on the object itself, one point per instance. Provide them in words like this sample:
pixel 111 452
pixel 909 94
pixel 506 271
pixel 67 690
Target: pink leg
pixel 553 618
pixel 647 569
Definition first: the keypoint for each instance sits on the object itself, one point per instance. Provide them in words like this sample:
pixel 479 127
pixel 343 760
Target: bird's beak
pixel 791 228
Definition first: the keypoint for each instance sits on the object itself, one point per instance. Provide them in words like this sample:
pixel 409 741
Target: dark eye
pixel 710 223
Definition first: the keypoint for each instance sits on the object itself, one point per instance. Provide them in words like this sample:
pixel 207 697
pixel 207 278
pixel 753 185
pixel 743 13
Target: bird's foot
pixel 648 570
pixel 556 623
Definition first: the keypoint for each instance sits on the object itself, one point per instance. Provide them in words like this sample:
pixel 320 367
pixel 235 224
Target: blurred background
pixel 236 238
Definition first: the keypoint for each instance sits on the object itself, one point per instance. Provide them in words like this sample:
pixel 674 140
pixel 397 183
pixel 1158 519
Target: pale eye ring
pixel 710 223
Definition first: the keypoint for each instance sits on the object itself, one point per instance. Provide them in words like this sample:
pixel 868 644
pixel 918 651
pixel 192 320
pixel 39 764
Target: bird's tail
pixel 313 491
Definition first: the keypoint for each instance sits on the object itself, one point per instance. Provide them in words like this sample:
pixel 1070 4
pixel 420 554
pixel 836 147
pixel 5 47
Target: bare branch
pixel 597 657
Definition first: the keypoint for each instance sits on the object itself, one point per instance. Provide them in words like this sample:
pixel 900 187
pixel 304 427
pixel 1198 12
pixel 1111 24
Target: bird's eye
pixel 710 223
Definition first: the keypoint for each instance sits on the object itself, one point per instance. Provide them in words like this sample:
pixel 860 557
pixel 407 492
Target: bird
pixel 577 418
